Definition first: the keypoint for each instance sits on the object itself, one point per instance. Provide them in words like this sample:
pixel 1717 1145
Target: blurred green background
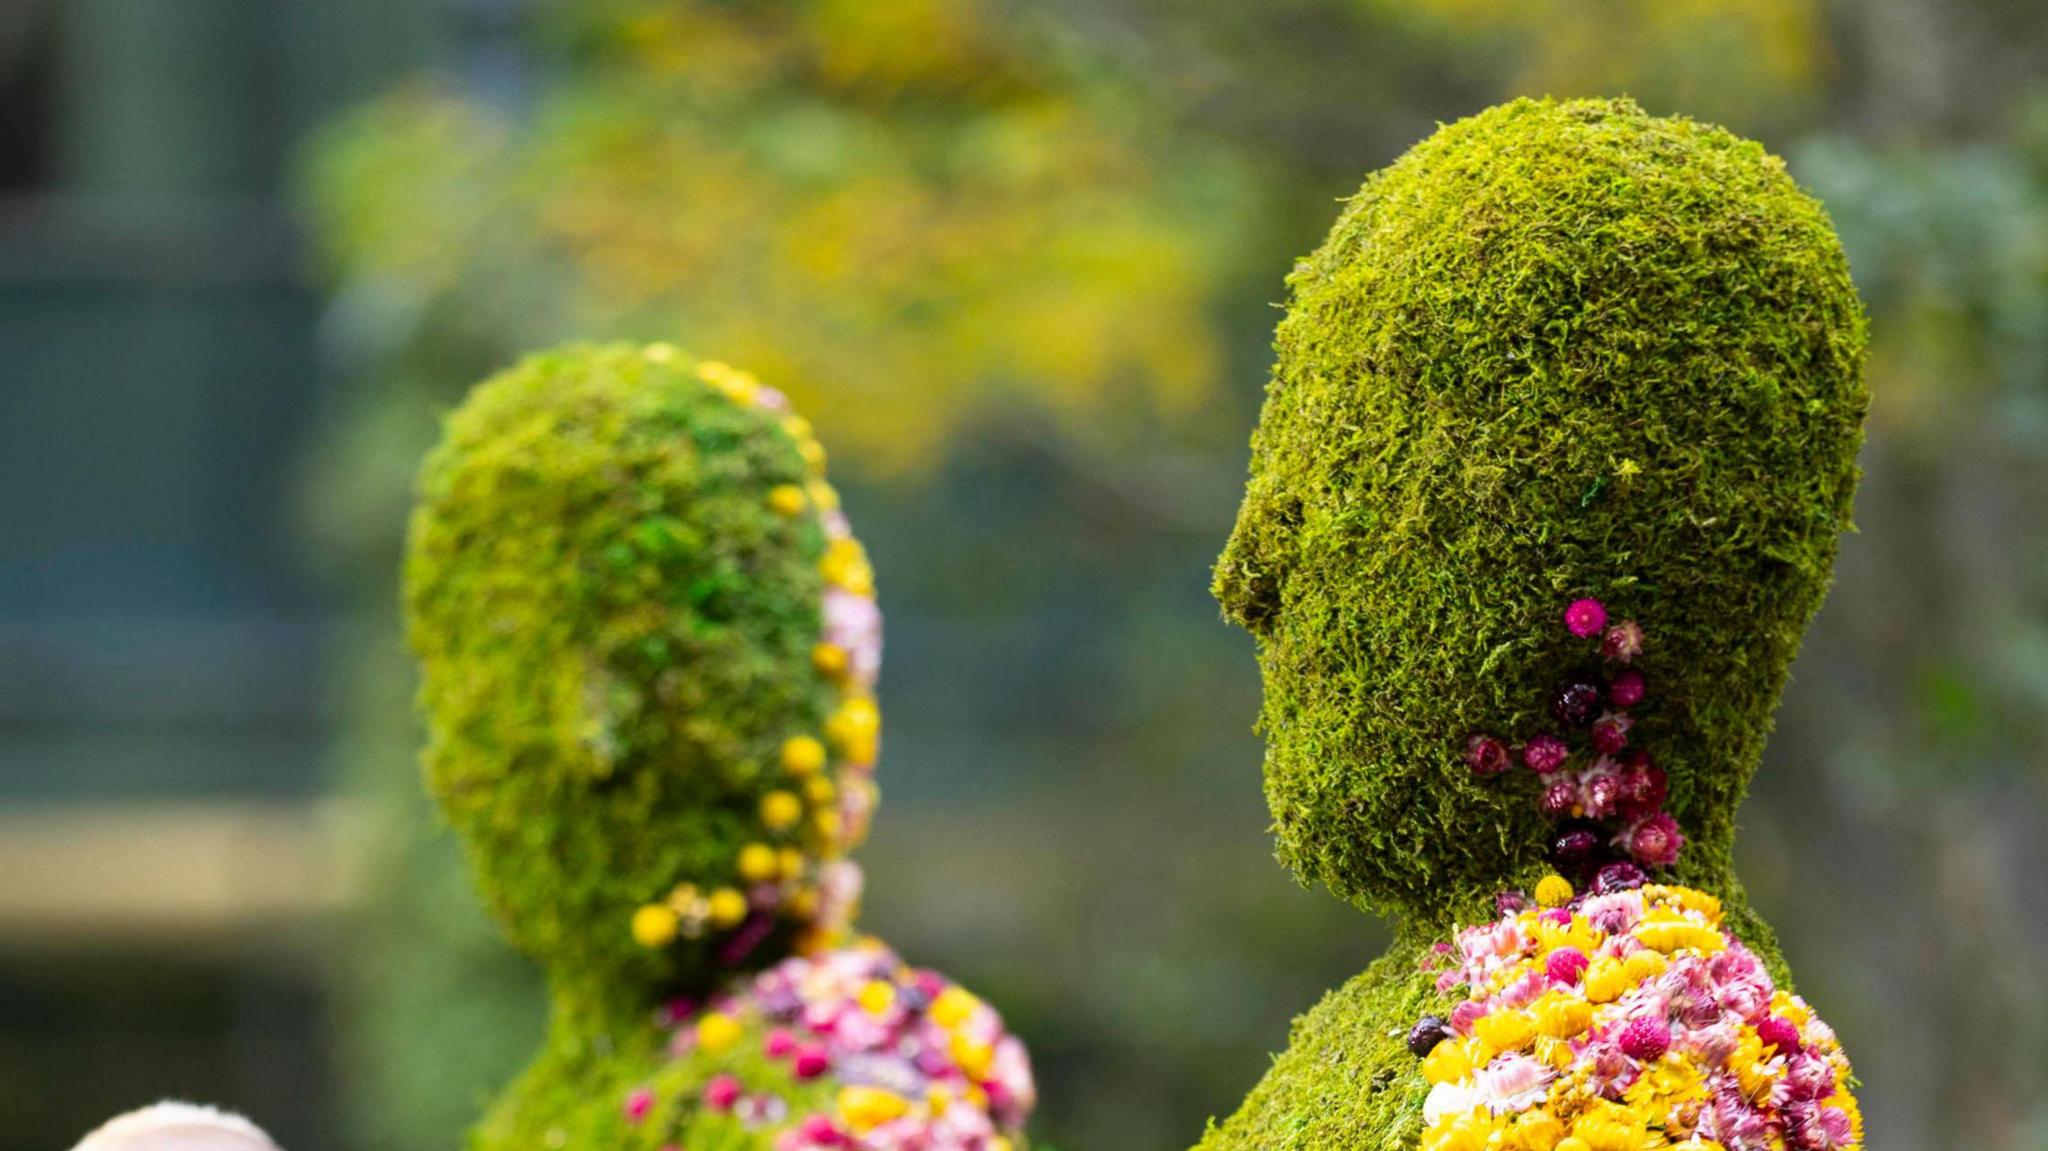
pixel 1017 260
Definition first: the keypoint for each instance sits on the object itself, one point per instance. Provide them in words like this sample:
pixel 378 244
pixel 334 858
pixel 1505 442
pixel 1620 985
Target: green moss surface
pixel 1558 349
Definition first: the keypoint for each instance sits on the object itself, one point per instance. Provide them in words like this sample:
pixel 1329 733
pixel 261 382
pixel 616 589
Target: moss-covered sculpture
pixel 649 642
pixel 1560 360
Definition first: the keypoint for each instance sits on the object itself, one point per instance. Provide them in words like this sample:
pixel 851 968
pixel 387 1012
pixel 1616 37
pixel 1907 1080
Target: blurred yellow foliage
pixel 1735 60
pixel 893 209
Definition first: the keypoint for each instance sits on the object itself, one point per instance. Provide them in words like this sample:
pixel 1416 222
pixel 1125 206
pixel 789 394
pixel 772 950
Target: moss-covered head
pixel 1557 350
pixel 646 643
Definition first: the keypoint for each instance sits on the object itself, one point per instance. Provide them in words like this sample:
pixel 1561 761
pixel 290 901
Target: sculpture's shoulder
pixel 846 1048
pixel 1347 1081
pixel 568 1097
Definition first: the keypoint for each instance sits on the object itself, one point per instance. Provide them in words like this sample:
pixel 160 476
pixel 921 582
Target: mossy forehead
pixel 615 623
pixel 1558 349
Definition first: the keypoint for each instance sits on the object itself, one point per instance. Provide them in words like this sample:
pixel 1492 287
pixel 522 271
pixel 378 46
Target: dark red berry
pixel 1626 688
pixel 1544 753
pixel 1426 1034
pixel 1486 755
pixel 1621 875
pixel 1576 703
pixel 1575 847
pixel 1559 798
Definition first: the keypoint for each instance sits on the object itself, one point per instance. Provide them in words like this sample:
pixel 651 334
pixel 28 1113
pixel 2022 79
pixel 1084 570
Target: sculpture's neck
pixel 1710 870
pixel 598 1019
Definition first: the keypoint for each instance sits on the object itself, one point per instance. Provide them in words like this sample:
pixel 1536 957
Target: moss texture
pixel 614 631
pixel 1558 349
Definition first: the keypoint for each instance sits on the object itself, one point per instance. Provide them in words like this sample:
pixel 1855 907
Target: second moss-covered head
pixel 648 644
pixel 1558 351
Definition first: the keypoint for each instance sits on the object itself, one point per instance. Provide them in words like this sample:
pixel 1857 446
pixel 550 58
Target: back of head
pixel 647 645
pixel 1557 350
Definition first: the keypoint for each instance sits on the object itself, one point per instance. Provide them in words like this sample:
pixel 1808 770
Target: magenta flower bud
pixel 1779 1032
pixel 1585 617
pixel 1626 688
pixel 1544 753
pixel 779 1044
pixel 1486 755
pixel 1645 1039
pixel 1657 842
pixel 1610 732
pixel 1509 903
pixel 1623 642
pixel 1565 965
pixel 721 1093
pixel 811 1062
pixel 639 1102
pixel 821 1132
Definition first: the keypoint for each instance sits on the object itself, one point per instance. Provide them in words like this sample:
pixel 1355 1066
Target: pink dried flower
pixel 1544 753
pixel 1560 798
pixel 1465 1014
pixel 779 1044
pixel 1486 755
pixel 820 1131
pixel 639 1102
pixel 1644 786
pixel 1585 617
pixel 1513 1083
pixel 721 1093
pixel 1603 795
pixel 1645 1039
pixel 1623 642
pixel 812 1062
pixel 1657 841
pixel 1626 689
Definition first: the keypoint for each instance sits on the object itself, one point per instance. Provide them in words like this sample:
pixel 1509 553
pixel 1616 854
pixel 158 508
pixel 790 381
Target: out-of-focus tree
pixel 1910 779
pixel 894 210
pixel 1756 63
pixel 1014 256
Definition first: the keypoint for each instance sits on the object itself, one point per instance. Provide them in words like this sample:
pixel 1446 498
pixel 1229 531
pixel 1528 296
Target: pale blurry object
pixel 177 1127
